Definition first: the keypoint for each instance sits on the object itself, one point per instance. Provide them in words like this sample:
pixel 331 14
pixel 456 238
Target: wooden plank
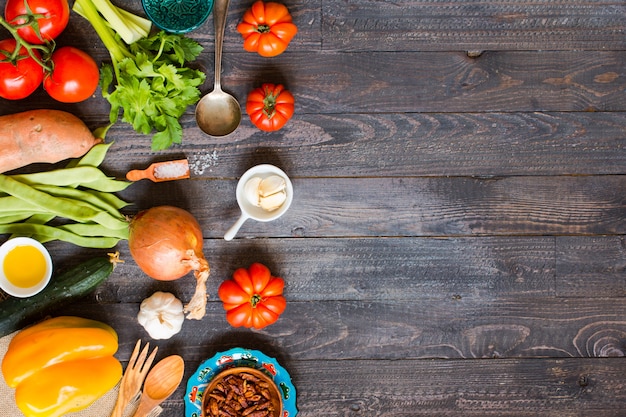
pixel 409 144
pixel 560 388
pixel 456 206
pixel 591 266
pixel 472 326
pixel 546 387
pixel 582 266
pixel 306 15
pixel 413 82
pixel 354 268
pixel 409 25
pixel 384 82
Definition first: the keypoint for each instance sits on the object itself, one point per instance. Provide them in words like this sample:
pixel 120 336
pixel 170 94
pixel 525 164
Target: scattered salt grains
pixel 171 170
pixel 201 162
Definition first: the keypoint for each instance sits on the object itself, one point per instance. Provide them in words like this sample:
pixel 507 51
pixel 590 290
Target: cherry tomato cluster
pixel 31 58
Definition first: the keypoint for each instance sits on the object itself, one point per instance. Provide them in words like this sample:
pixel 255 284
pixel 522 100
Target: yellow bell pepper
pixel 67 386
pixel 61 322
pixel 60 365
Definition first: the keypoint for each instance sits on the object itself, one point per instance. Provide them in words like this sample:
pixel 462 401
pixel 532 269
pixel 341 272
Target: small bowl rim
pixel 236 370
pixel 148 10
pixel 14 290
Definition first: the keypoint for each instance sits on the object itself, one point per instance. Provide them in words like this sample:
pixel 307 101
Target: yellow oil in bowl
pixel 26 267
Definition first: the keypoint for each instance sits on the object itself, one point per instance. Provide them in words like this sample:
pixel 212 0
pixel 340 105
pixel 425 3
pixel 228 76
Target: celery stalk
pixel 88 10
pixel 148 83
pixel 141 25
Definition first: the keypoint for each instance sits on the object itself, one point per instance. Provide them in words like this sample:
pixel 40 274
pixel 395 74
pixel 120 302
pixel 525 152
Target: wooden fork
pixel 130 385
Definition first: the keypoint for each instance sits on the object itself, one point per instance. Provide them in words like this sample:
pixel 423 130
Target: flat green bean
pixel 80 196
pixel 110 198
pixel 59 206
pixel 62 177
pixel 14 218
pixel 95 155
pixel 94 230
pixel 47 233
pixel 40 218
pixel 12 205
pixel 107 185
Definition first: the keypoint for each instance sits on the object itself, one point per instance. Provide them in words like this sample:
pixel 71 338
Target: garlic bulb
pixel 268 193
pixel 161 315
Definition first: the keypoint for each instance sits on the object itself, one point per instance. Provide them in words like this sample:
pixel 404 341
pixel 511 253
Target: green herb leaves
pixel 154 87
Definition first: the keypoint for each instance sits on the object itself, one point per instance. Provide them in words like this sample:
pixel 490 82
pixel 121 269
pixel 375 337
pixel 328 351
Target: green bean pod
pixel 44 233
pixel 68 209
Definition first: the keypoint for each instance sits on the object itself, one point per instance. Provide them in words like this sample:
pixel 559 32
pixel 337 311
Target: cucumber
pixel 16 313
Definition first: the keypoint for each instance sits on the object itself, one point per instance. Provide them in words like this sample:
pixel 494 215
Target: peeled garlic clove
pixel 273 201
pixel 272 185
pixel 251 190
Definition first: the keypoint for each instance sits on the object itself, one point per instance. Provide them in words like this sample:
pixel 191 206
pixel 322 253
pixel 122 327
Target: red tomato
pixel 54 19
pixel 267 28
pixel 270 106
pixel 20 79
pixel 75 75
pixel 253 298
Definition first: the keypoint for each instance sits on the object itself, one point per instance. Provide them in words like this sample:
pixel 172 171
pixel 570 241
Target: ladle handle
pixel 230 233
pixel 220 10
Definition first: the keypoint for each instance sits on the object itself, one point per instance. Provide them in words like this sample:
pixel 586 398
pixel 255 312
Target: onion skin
pixel 166 243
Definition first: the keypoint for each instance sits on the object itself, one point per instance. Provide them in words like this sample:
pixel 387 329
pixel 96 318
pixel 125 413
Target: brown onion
pixel 166 243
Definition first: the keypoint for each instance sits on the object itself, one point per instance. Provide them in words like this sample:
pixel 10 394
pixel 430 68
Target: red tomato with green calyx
pixel 267 28
pixel 75 75
pixel 253 297
pixel 270 106
pixel 21 76
pixel 50 18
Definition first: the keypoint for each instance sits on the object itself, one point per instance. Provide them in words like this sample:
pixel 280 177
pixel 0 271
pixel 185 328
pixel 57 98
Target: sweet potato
pixel 42 136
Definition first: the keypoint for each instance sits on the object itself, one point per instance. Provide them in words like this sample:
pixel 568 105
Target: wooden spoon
pixel 161 171
pixel 161 382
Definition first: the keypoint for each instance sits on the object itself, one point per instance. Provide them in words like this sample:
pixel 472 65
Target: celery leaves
pixel 153 88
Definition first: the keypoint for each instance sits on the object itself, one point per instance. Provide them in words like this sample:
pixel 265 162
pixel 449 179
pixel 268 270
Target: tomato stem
pixel 255 299
pixel 269 104
pixel 263 28
pixel 46 49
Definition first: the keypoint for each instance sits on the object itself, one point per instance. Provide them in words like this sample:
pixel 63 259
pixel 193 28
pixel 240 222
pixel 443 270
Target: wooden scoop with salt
pixel 161 171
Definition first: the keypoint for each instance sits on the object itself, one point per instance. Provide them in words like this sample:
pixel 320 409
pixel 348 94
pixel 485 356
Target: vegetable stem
pixel 89 10
pixel 13 57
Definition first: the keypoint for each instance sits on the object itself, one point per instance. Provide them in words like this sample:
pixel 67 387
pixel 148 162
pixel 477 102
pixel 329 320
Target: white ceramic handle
pixel 230 233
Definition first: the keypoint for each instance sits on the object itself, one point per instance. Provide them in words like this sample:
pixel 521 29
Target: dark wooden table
pixel 456 244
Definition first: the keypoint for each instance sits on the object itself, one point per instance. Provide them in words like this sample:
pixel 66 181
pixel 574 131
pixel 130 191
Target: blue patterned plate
pixel 238 357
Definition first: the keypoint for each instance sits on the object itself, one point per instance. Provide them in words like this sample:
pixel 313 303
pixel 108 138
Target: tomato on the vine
pixel 52 17
pixel 20 78
pixel 270 106
pixel 75 75
pixel 267 28
pixel 253 298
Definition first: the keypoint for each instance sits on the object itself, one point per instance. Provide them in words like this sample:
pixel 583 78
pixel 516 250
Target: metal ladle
pixel 218 113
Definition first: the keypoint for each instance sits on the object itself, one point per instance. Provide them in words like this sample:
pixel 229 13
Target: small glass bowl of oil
pixel 25 267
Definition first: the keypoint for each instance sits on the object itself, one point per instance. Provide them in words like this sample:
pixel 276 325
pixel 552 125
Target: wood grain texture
pixel 422 82
pixel 398 145
pixel 591 267
pixel 479 327
pixel 409 206
pixel 469 25
pixel 456 242
pixel 559 388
